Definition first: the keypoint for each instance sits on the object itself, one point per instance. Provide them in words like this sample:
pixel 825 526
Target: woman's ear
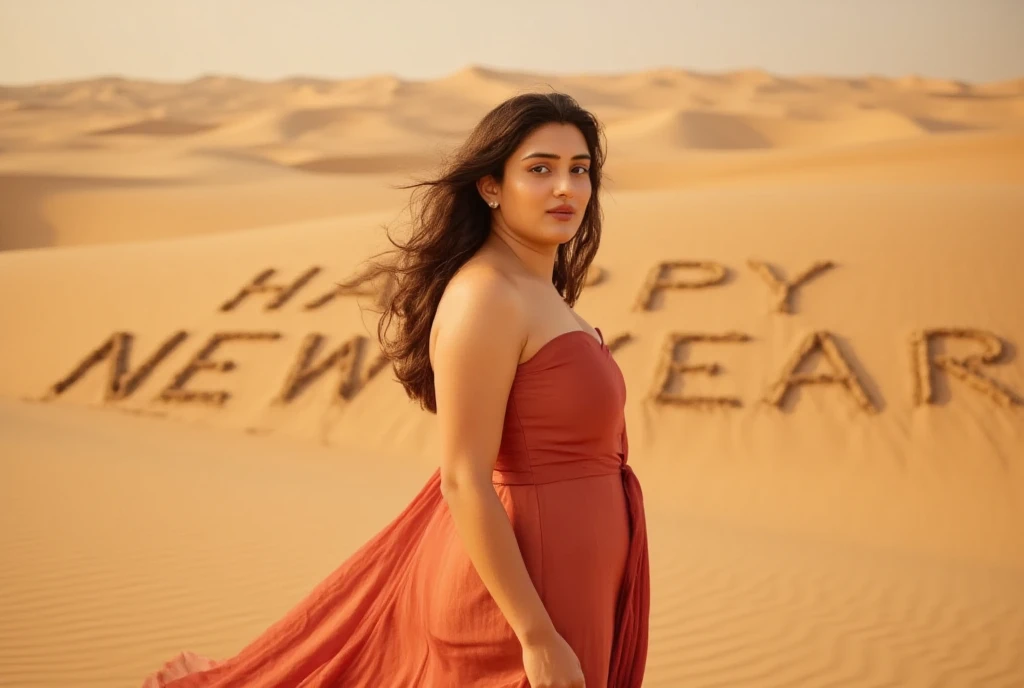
pixel 489 190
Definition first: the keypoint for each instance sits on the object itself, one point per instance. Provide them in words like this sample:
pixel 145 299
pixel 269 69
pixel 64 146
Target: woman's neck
pixel 538 261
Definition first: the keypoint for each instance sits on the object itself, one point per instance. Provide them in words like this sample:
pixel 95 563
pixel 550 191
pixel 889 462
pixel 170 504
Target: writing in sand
pixel 356 362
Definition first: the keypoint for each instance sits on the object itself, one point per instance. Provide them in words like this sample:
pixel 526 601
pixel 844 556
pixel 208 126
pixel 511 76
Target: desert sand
pixel 834 475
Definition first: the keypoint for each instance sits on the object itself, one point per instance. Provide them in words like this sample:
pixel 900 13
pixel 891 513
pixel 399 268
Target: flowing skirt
pixel 408 608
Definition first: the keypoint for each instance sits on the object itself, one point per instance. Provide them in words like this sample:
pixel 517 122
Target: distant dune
pixel 157 127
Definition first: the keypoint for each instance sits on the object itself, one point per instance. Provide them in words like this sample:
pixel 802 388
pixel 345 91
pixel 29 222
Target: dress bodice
pixel 564 418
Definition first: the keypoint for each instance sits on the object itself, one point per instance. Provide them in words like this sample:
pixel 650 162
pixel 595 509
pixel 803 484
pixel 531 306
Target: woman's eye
pixel 579 169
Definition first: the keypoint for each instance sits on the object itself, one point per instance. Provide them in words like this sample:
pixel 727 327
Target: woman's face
pixel 546 187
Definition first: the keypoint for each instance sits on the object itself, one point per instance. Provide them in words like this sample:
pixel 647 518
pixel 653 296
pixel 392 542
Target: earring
pixel 493 204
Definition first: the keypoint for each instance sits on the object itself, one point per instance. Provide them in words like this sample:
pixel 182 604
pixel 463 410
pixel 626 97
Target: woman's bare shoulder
pixel 481 283
pixel 482 301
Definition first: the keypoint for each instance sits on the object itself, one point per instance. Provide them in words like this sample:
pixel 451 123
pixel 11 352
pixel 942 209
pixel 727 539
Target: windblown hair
pixel 450 223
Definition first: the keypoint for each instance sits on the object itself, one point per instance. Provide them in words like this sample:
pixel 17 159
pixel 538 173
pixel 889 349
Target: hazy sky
pixel 43 40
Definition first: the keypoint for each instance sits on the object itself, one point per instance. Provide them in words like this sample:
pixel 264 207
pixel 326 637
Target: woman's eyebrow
pixel 552 156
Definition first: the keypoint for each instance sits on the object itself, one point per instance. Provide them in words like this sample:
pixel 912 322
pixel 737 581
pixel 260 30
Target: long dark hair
pixel 451 222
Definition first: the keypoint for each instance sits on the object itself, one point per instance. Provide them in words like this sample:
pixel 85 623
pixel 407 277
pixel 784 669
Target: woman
pixel 523 562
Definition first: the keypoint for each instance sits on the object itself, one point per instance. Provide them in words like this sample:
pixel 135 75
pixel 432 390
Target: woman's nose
pixel 563 187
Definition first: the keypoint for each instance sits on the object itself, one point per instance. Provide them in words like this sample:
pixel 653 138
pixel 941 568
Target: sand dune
pixel 157 127
pixel 688 129
pixel 841 503
pixel 368 164
pixel 691 129
pixel 219 130
pixel 736 605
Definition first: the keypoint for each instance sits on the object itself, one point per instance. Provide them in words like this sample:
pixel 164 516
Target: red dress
pixel 408 608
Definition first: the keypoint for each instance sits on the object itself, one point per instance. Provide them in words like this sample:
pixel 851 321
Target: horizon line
pixel 502 71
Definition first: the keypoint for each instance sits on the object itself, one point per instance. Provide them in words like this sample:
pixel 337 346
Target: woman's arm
pixel 480 331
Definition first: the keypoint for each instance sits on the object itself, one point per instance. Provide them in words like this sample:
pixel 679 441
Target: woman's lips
pixel 562 213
